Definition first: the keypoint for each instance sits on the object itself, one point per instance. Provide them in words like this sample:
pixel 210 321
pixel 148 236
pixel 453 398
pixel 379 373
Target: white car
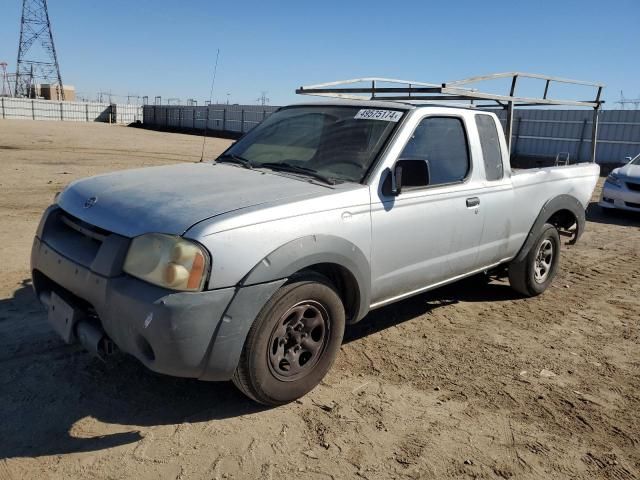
pixel 622 188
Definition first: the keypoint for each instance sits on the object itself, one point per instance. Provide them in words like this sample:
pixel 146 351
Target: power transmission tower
pixel 35 28
pixel 263 99
pixel 5 92
pixel 623 102
pixel 106 95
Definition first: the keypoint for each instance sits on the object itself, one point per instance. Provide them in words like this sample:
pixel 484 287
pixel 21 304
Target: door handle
pixel 473 202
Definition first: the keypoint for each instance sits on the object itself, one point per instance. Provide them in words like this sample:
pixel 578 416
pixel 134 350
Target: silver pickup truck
pixel 249 267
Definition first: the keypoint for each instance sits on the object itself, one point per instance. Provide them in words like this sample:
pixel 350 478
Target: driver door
pixel 429 233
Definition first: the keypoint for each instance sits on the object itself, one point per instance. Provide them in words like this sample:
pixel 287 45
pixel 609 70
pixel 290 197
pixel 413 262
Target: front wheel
pixel 293 341
pixel 534 273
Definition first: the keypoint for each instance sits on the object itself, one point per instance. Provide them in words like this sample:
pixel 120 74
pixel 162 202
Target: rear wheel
pixel 534 273
pixel 293 341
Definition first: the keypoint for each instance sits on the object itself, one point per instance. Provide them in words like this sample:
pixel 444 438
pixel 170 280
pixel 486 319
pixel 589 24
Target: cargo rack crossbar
pixel 409 91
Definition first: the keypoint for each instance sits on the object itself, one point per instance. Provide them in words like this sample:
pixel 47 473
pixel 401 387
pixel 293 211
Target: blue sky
pixel 161 47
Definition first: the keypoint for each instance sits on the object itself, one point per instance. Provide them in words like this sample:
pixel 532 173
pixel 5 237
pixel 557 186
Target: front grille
pixel 633 186
pixel 74 238
pixel 84 228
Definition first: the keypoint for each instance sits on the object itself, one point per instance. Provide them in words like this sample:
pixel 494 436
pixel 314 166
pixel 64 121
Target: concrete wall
pixel 25 108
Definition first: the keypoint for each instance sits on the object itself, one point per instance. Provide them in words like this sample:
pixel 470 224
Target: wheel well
pixel 567 224
pixel 564 219
pixel 345 283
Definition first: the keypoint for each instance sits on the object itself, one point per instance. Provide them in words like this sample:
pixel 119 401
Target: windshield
pixel 336 142
pixel 635 161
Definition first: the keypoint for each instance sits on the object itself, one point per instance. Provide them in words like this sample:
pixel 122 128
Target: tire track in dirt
pixel 5 474
pixel 608 466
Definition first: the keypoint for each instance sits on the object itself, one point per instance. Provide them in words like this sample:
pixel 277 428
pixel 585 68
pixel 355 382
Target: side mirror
pixel 407 172
pixel 628 159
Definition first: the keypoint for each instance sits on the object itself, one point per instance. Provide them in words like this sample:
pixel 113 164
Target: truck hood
pixel 171 199
pixel 631 171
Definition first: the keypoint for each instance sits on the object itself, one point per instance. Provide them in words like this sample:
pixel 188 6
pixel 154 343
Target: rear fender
pixel 556 204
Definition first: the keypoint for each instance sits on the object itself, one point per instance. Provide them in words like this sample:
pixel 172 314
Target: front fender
pixel 311 250
pixel 265 278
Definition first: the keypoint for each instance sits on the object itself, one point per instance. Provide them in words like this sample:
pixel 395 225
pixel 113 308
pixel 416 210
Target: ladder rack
pixel 390 89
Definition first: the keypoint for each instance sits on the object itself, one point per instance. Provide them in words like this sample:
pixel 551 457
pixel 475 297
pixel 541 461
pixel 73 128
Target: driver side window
pixel 442 142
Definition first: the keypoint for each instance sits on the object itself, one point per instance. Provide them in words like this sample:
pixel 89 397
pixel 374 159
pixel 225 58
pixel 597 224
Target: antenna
pixel 206 122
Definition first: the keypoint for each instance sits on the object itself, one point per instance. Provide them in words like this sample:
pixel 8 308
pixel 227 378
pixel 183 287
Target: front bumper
pixel 622 197
pixel 184 334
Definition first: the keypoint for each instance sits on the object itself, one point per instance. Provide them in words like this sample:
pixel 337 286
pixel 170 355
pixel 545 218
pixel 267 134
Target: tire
pixel 532 275
pixel 293 341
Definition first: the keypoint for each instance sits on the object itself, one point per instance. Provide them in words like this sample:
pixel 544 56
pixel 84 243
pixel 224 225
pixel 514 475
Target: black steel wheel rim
pixel 298 340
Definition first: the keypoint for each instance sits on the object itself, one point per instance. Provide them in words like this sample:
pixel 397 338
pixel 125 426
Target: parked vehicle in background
pixel 248 268
pixel 621 189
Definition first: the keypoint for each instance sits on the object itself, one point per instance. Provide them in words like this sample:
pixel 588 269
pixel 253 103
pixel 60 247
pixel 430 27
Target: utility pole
pixel 33 66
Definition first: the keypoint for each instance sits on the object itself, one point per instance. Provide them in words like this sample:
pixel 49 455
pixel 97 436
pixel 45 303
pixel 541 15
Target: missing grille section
pixel 84 228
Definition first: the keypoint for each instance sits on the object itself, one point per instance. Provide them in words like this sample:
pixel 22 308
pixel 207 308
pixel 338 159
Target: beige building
pixel 54 92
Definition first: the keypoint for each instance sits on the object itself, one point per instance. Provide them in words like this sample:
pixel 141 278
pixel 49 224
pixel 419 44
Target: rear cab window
pixel 490 144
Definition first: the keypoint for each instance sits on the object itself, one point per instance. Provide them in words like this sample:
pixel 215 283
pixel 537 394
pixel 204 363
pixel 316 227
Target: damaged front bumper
pixel 185 334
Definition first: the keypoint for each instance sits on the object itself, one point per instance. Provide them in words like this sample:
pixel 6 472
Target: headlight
pixel 614 180
pixel 168 261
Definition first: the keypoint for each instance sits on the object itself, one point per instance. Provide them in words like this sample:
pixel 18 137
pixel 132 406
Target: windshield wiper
pixel 289 167
pixel 233 158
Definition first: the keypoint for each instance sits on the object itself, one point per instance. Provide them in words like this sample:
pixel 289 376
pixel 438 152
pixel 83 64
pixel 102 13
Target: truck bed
pixel 537 185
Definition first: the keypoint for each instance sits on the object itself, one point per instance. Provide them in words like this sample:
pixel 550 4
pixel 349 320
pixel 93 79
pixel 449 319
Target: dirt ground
pixel 450 384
